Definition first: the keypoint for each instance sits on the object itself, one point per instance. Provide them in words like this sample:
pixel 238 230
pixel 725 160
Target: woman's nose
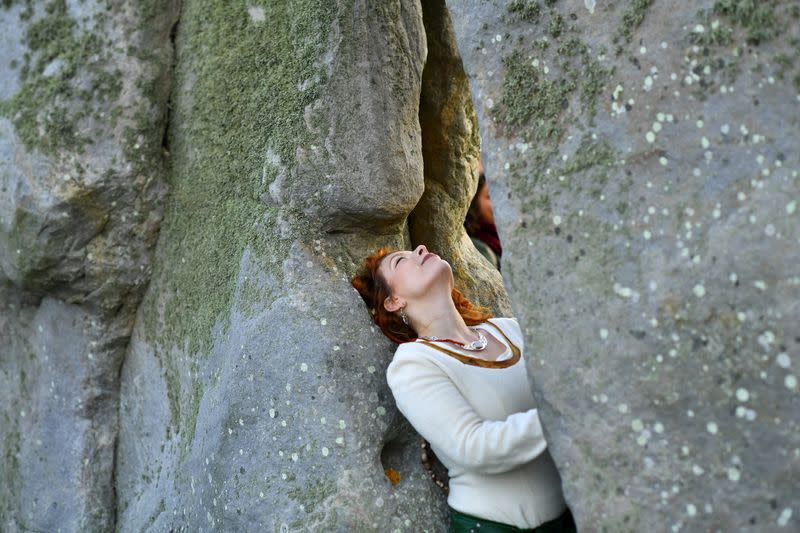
pixel 421 250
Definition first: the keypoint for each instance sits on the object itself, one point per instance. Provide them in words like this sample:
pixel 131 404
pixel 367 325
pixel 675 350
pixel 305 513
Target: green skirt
pixel 465 523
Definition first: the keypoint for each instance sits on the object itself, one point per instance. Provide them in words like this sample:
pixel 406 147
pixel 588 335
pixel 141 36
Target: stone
pixel 642 162
pixel 82 187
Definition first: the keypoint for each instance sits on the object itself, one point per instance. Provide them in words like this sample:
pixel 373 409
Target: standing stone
pixel 644 164
pixel 82 111
pixel 450 150
pixel 253 394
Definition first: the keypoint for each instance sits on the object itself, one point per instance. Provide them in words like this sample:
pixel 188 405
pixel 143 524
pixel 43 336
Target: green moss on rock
pixel 632 18
pixel 526 10
pixel 246 86
pixel 527 95
pixel 590 154
pixel 758 18
pixel 556 25
pixel 49 105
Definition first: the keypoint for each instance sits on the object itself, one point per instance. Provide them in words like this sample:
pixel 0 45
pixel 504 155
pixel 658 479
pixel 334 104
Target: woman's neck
pixel 445 323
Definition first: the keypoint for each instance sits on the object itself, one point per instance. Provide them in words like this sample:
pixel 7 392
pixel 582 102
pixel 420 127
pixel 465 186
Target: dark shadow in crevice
pixel 451 161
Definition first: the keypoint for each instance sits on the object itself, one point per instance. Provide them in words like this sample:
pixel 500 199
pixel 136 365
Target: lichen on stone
pixel 49 105
pixel 527 96
pixel 632 18
pixel 525 10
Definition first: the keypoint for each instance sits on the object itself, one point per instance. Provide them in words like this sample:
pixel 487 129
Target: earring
pixel 404 316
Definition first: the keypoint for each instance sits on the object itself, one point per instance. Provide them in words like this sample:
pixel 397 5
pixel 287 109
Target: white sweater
pixel 483 425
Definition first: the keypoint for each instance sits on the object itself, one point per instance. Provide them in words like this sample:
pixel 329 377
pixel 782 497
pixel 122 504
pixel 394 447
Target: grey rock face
pixel 253 395
pixel 81 186
pixel 644 174
pixel 643 169
pixel 245 389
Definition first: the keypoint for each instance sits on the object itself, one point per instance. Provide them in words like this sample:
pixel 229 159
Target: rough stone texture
pixel 643 165
pixel 253 393
pixel 226 378
pixel 81 185
pixel 450 150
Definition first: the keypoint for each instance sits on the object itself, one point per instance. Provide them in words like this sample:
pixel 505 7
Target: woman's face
pixel 485 206
pixel 411 275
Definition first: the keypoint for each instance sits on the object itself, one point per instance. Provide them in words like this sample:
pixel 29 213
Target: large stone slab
pixel 83 107
pixel 253 394
pixel 643 166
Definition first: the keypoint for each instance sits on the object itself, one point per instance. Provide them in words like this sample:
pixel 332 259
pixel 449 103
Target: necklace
pixel 474 346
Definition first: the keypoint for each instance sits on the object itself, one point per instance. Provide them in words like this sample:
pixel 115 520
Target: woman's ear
pixel 391 304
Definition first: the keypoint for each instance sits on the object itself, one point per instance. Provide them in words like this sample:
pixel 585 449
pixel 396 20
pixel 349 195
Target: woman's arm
pixel 432 403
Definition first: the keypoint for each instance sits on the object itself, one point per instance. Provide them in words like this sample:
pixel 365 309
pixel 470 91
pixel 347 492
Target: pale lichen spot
pixel 256 13
pixel 342 425
pixel 691 510
pixel 637 425
pixel 325 451
pixel 766 339
pixel 650 137
pixel 711 427
pixel 272 413
pixel 784 517
pixel 697 470
pixel 603 333
pixel 622 408
pixel 790 381
pixel 791 207
pixel 742 394
pixel 783 360
pixel 556 220
pixel 733 473
pixel 699 290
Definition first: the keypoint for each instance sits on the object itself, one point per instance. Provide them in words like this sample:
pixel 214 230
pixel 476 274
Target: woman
pixel 480 226
pixel 459 378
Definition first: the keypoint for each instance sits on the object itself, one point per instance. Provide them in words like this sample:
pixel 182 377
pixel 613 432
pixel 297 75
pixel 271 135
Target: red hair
pixel 373 289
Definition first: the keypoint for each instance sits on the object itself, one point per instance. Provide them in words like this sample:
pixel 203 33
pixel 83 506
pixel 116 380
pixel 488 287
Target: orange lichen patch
pixel 393 475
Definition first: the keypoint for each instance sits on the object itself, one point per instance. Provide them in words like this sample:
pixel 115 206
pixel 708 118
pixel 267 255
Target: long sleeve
pixel 432 403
